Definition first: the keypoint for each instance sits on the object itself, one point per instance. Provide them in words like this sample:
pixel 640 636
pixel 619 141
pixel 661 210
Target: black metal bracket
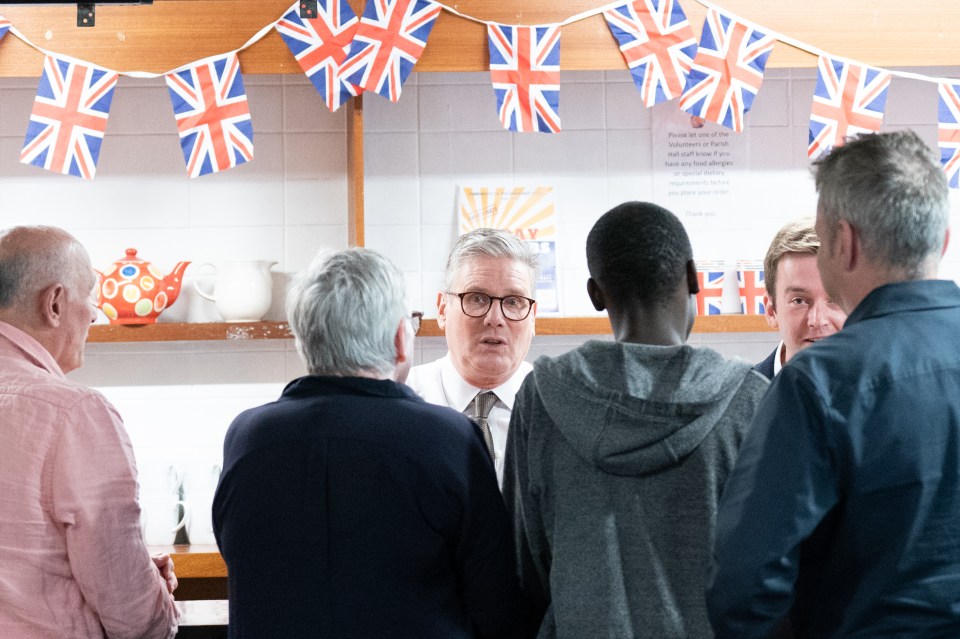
pixel 308 9
pixel 86 14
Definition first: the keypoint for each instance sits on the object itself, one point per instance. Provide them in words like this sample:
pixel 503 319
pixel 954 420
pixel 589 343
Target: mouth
pixel 492 341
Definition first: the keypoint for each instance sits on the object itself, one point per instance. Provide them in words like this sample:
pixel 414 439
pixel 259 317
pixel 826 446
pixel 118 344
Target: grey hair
pixel 486 242
pixel 344 310
pixel 889 187
pixel 34 257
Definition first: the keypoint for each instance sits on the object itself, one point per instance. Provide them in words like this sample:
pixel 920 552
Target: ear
pixel 846 242
pixel 52 301
pixel 441 310
pixel 596 294
pixel 692 284
pixel 770 312
pixel 403 345
pixel 946 242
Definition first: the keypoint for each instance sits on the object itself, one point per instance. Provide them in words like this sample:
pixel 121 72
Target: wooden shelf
pixel 217 331
pixel 188 332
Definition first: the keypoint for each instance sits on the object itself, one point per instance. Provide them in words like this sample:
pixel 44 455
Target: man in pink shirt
pixel 72 559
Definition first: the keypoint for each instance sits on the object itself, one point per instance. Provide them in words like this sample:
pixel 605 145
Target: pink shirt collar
pixel 12 338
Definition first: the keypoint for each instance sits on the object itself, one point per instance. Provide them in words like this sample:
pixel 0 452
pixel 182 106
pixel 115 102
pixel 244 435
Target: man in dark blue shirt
pixel 844 505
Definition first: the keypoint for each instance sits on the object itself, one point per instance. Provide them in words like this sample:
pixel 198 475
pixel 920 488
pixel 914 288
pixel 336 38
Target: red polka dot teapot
pixel 133 291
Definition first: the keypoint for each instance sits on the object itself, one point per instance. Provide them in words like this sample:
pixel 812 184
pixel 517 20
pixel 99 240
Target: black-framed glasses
pixel 415 318
pixel 514 307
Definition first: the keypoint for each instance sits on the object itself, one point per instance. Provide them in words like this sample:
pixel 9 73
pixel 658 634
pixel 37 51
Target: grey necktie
pixel 482 404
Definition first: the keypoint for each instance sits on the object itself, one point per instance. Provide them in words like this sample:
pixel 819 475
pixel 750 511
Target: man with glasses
pixel 486 310
pixel 350 507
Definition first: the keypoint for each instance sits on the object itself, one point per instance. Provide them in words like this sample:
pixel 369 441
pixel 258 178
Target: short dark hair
pixel 638 251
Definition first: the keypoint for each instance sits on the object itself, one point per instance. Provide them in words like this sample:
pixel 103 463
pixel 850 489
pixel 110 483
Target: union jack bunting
pixel 320 44
pixel 4 26
pixel 525 71
pixel 727 72
pixel 752 289
pixel 658 44
pixel 69 117
pixel 710 297
pixel 212 115
pixel 388 43
pixel 949 132
pixel 849 99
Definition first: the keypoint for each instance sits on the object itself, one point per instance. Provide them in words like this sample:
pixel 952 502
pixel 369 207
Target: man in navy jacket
pixel 844 505
pixel 350 507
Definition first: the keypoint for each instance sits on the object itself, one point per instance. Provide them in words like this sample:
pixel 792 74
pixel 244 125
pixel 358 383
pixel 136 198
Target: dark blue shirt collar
pixel 914 295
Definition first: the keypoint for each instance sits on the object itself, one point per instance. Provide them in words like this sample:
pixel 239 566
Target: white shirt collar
pixel 777 365
pixel 459 393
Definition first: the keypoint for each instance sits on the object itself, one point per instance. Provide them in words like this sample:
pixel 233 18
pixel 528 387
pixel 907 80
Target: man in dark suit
pixel 350 507
pixel 795 303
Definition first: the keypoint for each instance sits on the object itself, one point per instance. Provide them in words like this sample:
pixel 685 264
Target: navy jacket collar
pixel 324 385
pixel 915 295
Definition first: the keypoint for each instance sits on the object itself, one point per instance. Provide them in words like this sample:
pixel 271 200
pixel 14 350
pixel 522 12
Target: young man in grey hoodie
pixel 618 451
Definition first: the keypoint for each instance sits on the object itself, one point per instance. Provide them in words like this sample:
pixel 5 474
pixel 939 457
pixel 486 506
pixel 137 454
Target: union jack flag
pixel 949 132
pixel 752 289
pixel 69 117
pixel 710 297
pixel 849 99
pixel 525 71
pixel 212 115
pixel 4 26
pixel 388 43
pixel 658 44
pixel 320 44
pixel 727 72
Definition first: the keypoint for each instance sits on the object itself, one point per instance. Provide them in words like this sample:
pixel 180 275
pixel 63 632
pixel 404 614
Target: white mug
pixel 158 476
pixel 200 526
pixel 200 476
pixel 160 517
pixel 242 291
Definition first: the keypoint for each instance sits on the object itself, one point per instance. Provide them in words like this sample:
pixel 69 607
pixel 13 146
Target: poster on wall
pixel 527 212
pixel 699 170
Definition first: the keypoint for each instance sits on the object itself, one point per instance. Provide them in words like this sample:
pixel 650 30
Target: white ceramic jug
pixel 242 291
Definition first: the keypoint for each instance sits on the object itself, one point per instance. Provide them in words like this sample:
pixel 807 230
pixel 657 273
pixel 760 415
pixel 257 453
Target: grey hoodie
pixel 616 458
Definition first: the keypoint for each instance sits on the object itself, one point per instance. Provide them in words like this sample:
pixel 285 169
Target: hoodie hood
pixel 633 409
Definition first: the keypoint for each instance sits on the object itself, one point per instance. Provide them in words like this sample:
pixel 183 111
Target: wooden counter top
pixel 200 570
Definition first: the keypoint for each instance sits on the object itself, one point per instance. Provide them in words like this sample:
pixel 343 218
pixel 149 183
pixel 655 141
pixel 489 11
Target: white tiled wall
pixel 291 200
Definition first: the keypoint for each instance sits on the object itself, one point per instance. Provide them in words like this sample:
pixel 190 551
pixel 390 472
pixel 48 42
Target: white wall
pixel 291 199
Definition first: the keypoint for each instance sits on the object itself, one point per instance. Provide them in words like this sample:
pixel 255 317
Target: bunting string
pixel 344 55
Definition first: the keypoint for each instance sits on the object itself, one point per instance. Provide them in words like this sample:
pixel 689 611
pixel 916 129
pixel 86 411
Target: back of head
pixel 638 251
pixel 34 257
pixel 344 310
pixel 797 238
pixel 487 242
pixel 889 187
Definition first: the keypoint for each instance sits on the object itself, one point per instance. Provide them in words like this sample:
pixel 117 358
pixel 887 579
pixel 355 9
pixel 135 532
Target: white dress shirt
pixel 778 360
pixel 439 383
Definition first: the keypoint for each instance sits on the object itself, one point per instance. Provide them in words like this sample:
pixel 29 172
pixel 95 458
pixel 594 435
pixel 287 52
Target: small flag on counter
pixel 949 132
pixel 658 45
pixel 212 114
pixel 525 71
pixel 69 117
pixel 728 70
pixel 849 99
pixel 388 43
pixel 320 44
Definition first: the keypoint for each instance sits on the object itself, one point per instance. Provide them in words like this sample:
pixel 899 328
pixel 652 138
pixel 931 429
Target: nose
pixel 494 316
pixel 817 315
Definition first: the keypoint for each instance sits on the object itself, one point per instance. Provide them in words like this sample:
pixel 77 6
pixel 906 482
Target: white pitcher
pixel 242 291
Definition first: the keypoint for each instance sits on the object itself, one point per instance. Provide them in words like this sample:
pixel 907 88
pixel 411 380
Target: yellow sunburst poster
pixel 527 212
